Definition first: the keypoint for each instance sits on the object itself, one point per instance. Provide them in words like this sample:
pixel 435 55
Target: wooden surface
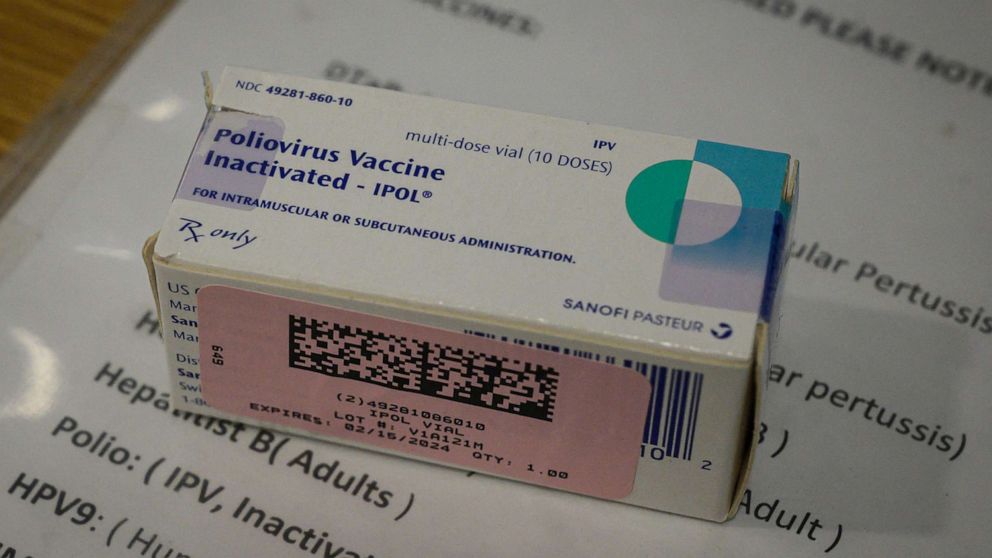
pixel 41 42
pixel 55 56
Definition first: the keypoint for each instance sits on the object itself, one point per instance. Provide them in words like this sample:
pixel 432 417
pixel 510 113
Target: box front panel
pixel 686 451
pixel 660 240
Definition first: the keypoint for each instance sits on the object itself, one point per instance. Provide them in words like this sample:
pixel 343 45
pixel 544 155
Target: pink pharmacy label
pixel 505 409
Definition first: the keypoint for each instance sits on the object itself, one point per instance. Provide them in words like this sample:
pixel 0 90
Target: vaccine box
pixel 581 307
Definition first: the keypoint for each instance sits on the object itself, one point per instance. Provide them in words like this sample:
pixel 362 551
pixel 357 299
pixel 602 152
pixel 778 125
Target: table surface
pixel 43 42
pixel 56 57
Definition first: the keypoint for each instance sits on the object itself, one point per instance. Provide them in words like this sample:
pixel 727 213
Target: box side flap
pixel 765 331
pixel 148 254
pixel 778 257
pixel 751 426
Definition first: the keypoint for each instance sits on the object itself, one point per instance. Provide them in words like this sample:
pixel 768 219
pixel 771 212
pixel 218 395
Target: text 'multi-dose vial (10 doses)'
pixel 580 307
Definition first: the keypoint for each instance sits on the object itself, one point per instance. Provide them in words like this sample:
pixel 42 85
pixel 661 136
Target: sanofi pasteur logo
pixel 718 219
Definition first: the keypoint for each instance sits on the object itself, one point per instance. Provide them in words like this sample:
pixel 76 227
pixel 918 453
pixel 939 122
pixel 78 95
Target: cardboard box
pixel 580 307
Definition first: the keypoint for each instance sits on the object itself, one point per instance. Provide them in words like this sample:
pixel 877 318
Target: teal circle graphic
pixel 683 202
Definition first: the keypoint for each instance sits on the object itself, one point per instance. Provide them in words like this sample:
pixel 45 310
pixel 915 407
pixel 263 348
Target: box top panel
pixel 595 230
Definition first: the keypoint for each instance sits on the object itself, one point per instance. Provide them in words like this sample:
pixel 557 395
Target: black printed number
pixel 218 355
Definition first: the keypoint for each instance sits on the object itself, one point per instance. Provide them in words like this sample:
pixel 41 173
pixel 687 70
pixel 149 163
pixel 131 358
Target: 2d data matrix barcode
pixel 433 369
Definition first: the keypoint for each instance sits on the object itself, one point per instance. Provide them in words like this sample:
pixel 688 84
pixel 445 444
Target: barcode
pixel 675 394
pixel 674 408
pixel 433 369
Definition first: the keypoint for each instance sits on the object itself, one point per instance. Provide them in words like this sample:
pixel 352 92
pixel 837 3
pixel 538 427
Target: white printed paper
pixel 875 437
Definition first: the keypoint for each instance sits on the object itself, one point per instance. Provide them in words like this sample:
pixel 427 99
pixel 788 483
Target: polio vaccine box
pixel 575 306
